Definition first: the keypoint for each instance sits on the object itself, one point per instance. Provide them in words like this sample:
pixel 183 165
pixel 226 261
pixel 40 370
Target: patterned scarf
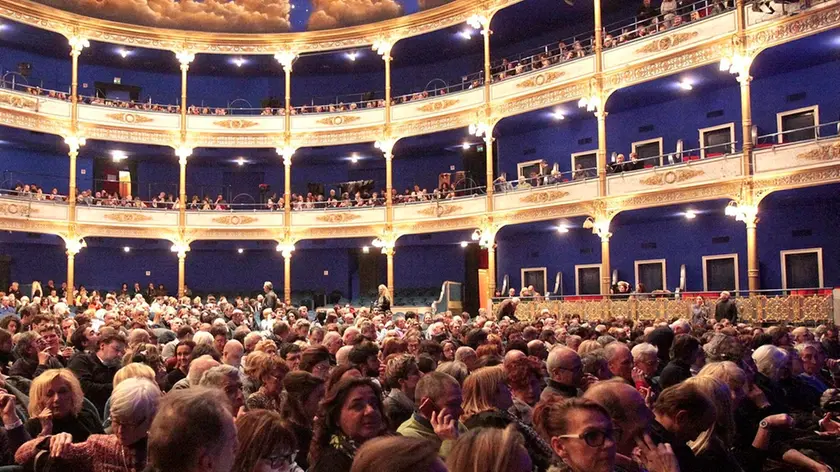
pixel 344 445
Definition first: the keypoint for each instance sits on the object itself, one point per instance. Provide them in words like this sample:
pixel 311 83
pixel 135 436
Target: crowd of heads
pixel 133 379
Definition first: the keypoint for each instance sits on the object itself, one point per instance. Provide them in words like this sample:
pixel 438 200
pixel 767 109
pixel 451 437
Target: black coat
pixel 675 372
pixel 96 378
pixel 726 309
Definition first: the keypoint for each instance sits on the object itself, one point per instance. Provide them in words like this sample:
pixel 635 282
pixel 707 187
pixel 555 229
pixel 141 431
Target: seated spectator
pixel 96 371
pixel 226 379
pixel 397 454
pixel 303 393
pixel 401 375
pixel 581 434
pixel 350 415
pixel 33 357
pixel 193 432
pixel 645 365
pixel 438 400
pixel 524 376
pixel 565 374
pixel 56 405
pixel 264 442
pixel 681 413
pixel 269 372
pixel 684 352
pixel 490 450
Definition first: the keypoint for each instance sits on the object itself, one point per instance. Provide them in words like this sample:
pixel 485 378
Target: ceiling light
pixel 126 249
pixel 558 115
pixel 239 62
pixel 465 34
pixel 465 145
pixel 365 249
pixel 240 250
pixel 686 85
pixel 352 55
pixel 354 158
pixel 241 161
pixel 562 229
pixel 464 244
pixel 124 52
pixel 118 156
pixel 690 215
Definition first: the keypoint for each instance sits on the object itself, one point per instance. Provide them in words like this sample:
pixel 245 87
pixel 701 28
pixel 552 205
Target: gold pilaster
pixel 71 279
pixel 287 276
pixel 606 279
pixel 183 152
pixel 185 58
pixel 600 226
pixel 181 274
pixel 752 255
pixel 77 45
pixel 287 153
pixel 601 115
pixel 387 58
pixel 389 257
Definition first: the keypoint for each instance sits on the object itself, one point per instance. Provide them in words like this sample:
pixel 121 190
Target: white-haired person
pixel 134 404
pixel 769 362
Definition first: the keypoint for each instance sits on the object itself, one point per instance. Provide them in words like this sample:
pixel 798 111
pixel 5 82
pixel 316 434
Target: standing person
pixel 270 300
pixel 726 308
pixel 699 312
pixel 383 303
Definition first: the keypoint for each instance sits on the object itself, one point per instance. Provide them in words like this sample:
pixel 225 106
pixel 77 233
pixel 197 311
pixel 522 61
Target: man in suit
pixel 270 297
pixel 726 308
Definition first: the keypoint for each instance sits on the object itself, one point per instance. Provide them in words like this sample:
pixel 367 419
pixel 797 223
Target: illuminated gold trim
pixel 544 197
pixel 14 209
pixel 672 177
pixel 234 220
pixel 338 120
pixel 440 211
pixel 439 105
pixel 541 79
pixel 127 217
pixel 236 124
pixel 18 102
pixel 338 217
pixel 667 42
pixel 822 153
pixel 129 118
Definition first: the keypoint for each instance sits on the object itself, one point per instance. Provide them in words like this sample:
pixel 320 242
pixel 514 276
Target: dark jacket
pixel 96 378
pixel 398 408
pixel 686 459
pixel 540 452
pixel 332 460
pixel 80 426
pixel 30 368
pixel 556 389
pixel 726 309
pixel 675 372
pixel 270 300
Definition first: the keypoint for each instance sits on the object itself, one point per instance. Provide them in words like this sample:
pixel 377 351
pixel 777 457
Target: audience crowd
pixel 137 380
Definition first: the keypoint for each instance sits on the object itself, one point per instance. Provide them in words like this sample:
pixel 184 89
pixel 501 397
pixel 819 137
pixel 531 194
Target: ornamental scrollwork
pixel 440 211
pixel 127 217
pixel 129 118
pixel 17 101
pixel 338 120
pixel 13 209
pixel 438 105
pixel 544 197
pixel 338 217
pixel 671 177
pixel 666 43
pixel 234 220
pixel 236 124
pixel 541 79
pixel 821 153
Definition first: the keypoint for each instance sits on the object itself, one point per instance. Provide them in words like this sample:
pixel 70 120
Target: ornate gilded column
pixel 389 256
pixel 486 238
pixel 185 58
pixel 286 59
pixel 601 115
pixel 180 248
pixel 73 139
pixel 738 63
pixel 74 143
pixel 600 226
pixel 745 209
pixel 73 246
pixel 183 152
pixel 286 247
pixel 606 280
pixel 287 152
pixel 386 145
pixel 386 242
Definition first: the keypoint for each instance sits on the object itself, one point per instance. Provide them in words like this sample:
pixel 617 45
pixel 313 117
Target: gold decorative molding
pixel 439 210
pixel 672 177
pixel 438 105
pixel 129 118
pixel 826 152
pixel 667 42
pixel 14 209
pixel 338 120
pixel 544 197
pixel 805 23
pixel 541 79
pixel 18 101
pixel 236 124
pixel 338 217
pixel 127 217
pixel 234 220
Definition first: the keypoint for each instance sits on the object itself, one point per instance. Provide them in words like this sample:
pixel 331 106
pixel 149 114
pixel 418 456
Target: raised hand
pixel 46 419
pixel 59 444
pixel 657 457
pixel 445 426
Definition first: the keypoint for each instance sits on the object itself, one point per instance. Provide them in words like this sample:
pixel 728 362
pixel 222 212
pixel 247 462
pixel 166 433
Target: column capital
pixel 185 57
pixel 286 248
pixel 181 249
pixel 481 22
pixel 286 59
pixel 74 245
pixel 286 152
pixel 74 142
pixel 386 243
pixel 600 227
pixel 77 45
pixel 386 145
pixel 183 152
pixel 743 211
pixel 383 47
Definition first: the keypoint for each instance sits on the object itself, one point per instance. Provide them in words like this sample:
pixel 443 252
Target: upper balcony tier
pixel 778 166
pixel 561 77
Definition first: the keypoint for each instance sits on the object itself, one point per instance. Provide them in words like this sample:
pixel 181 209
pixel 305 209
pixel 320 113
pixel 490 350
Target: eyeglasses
pixel 595 437
pixel 279 460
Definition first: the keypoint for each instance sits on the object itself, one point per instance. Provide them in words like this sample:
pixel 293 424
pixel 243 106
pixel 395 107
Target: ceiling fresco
pixel 245 16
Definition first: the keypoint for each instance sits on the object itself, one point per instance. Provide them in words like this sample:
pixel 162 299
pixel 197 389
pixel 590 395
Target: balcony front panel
pixel 546 195
pixel 543 79
pixel 794 156
pixel 665 43
pixel 126 118
pixel 442 105
pixel 238 219
pixel 12 207
pixel 126 217
pixel 694 172
pixel 442 209
pixel 313 122
pixel 343 217
pixel 54 107
pixel 240 125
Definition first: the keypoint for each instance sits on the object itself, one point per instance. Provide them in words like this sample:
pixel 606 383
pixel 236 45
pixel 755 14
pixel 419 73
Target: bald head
pixel 198 367
pixel 342 356
pixel 512 356
pixel 468 356
pixel 537 349
pixel 232 354
pixel 626 408
pixel 564 366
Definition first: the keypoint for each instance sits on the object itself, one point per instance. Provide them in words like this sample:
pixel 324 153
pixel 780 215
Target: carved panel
pixel 129 118
pixel 827 152
pixel 439 210
pixel 127 217
pixel 801 25
pixel 540 79
pixel 15 209
pixel 18 101
pixel 236 124
pixel 544 197
pixel 671 177
pixel 338 217
pixel 438 105
pixel 234 220
pixel 338 120
pixel 667 42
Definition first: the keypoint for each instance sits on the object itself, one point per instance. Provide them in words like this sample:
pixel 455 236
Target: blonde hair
pixel 481 389
pixel 265 345
pixel 134 370
pixel 384 292
pixel 727 372
pixel 486 449
pixel 588 346
pixel 41 385
pixel 136 400
pixel 723 428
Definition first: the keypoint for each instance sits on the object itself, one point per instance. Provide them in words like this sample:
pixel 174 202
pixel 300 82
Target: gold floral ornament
pixel 129 118
pixel 338 120
pixel 822 153
pixel 234 220
pixel 338 217
pixel 13 209
pixel 666 43
pixel 438 105
pixel 236 124
pixel 671 177
pixel 127 217
pixel 439 210
pixel 544 197
pixel 17 101
pixel 541 79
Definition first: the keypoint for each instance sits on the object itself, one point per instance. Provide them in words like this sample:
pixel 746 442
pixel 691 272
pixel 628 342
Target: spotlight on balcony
pixel 118 156
pixel 239 61
pixel 465 145
pixel 352 56
pixel 464 244
pixel 366 249
pixel 558 115
pixel 686 85
pixel 562 229
pixel 123 52
pixel 465 34
pixel 690 214
pixel 354 158
pixel 240 161
pixel 126 249
pixel 240 250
